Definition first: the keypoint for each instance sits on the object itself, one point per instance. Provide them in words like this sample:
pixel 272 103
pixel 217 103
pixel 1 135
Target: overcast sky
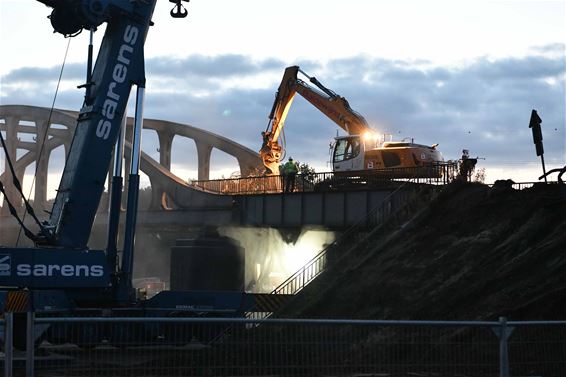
pixel 460 73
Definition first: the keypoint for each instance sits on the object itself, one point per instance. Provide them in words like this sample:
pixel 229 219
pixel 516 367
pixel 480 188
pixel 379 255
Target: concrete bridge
pixel 173 200
pixel 52 129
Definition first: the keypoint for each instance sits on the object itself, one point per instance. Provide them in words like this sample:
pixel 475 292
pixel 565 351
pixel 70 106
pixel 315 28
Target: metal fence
pixel 526 185
pixel 286 347
pixel 440 174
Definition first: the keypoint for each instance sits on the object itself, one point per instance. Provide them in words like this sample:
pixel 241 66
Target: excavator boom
pixel 333 106
pixel 329 103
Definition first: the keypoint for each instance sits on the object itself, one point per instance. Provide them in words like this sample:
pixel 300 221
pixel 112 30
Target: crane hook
pixel 179 10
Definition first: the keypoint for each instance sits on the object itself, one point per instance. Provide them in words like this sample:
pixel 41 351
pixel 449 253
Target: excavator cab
pixel 366 153
pixel 348 153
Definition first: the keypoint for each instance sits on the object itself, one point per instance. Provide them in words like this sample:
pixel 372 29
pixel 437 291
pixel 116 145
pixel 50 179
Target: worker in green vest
pixel 290 170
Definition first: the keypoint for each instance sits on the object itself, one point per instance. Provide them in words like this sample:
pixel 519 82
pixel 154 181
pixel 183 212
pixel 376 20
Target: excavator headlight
pixel 367 136
pixel 370 136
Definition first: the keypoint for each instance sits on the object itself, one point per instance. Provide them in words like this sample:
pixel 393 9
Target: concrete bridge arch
pixel 52 129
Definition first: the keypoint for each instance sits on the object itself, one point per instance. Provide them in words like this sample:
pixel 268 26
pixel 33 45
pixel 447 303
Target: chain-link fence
pixel 286 347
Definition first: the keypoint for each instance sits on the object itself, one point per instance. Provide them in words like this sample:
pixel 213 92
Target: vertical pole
pixel 534 125
pixel 133 191
pixel 8 343
pixel 89 68
pixel 30 344
pixel 116 200
pixel 543 168
pixel 504 333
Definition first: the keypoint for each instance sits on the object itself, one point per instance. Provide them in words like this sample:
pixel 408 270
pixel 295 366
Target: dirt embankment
pixel 473 252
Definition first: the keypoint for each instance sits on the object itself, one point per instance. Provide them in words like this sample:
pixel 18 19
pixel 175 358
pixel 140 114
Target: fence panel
pixel 537 349
pixel 282 347
pixel 6 334
pixel 220 347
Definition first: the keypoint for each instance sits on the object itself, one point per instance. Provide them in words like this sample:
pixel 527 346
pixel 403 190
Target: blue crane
pixel 61 274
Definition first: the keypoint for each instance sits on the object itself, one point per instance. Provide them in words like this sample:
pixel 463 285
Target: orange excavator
pixel 363 150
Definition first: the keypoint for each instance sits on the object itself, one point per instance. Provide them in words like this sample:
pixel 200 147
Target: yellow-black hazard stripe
pixel 17 301
pixel 269 302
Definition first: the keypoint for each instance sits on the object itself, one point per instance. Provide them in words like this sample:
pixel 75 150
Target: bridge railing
pixel 438 174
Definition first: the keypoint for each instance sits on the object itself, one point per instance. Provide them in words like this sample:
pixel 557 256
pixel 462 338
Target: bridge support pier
pixel 42 161
pixel 11 139
pixel 159 198
pixel 204 151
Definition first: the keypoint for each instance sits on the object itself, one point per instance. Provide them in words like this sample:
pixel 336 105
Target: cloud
pixel 483 105
pixel 559 48
pixel 36 75
pixel 209 67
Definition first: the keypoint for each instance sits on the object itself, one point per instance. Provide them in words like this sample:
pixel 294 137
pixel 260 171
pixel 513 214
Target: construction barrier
pixel 291 347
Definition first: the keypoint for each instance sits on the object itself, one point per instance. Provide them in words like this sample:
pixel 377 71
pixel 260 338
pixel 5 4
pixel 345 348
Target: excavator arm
pixel 329 103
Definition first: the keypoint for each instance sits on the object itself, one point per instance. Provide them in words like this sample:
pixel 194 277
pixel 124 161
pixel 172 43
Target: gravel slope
pixel 473 252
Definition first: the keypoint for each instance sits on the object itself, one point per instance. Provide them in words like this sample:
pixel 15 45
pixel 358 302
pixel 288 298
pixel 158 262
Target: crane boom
pixel 120 65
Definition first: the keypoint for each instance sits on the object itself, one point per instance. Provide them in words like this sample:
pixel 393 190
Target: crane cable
pixel 18 186
pixel 29 209
pixel 14 213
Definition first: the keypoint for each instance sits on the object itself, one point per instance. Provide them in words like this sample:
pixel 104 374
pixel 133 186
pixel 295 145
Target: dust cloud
pixel 152 250
pixel 269 259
